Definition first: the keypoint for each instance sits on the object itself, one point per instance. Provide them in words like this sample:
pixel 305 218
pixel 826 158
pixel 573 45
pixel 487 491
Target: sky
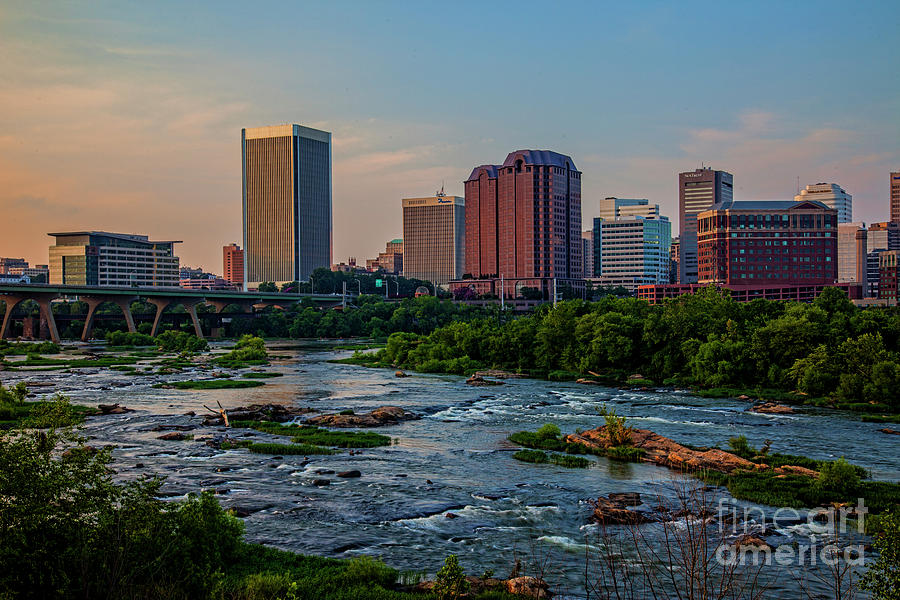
pixel 126 116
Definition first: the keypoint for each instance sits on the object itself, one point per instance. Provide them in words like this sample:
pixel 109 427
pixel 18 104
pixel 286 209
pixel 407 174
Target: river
pixel 455 459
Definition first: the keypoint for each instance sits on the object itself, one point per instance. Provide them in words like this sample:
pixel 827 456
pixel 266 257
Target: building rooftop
pixel 540 157
pixel 767 205
pixel 122 236
pixel 490 169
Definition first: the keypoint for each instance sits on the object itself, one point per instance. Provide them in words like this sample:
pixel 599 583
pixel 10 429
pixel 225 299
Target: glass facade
pixel 113 260
pixel 286 202
pixel 434 231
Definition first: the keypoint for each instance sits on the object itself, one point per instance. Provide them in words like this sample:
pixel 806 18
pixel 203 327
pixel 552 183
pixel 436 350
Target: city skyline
pixel 117 118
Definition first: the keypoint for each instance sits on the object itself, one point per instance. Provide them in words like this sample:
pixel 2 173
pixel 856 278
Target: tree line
pixel 826 348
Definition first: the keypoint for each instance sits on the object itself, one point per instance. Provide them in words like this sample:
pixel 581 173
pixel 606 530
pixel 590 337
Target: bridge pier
pixel 190 305
pixel 43 300
pixel 94 302
pixel 12 301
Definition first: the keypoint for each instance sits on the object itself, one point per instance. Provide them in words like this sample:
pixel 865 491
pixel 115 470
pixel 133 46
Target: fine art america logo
pixel 825 527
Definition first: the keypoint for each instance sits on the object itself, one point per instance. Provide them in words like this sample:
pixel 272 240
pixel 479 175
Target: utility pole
pixel 502 294
pixel 554 292
pixel 344 297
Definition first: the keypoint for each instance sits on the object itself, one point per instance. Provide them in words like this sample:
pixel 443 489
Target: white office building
pixel 832 196
pixel 631 251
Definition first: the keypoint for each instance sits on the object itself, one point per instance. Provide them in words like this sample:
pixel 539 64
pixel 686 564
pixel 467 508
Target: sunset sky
pixel 126 116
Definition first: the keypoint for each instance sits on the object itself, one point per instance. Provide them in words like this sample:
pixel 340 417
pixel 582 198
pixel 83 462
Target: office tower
pixel 286 203
pixel 895 196
pixel 883 236
pixel 612 207
pixel 434 238
pixel 523 219
pixel 632 251
pixel 587 252
pixel 852 249
pixel 832 196
pixel 698 190
pixel 768 242
pixel 674 259
pixel 112 259
pixel 233 264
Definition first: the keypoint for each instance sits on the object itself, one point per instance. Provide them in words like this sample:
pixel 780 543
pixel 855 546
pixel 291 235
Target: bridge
pixel 162 298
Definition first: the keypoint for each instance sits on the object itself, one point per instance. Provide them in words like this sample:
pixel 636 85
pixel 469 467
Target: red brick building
pixel 523 221
pixel 888 270
pixel 233 264
pixel 768 243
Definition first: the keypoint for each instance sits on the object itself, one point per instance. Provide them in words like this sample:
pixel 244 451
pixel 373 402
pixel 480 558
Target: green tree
pixel 883 576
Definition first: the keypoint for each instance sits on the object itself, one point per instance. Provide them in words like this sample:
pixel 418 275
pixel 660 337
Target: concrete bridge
pixel 162 298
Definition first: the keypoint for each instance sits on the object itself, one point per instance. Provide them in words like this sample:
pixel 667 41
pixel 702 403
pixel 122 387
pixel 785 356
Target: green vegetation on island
pixel 318 436
pixel 249 351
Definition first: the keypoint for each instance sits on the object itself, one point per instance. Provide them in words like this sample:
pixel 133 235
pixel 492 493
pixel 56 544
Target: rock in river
pixel 385 415
pixel 347 474
pixel 668 453
pixel 771 408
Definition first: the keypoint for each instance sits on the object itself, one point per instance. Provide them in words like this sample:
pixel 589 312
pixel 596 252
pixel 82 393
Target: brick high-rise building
pixel 768 243
pixel 286 202
pixel 233 264
pixel 895 196
pixel 523 221
pixel 698 190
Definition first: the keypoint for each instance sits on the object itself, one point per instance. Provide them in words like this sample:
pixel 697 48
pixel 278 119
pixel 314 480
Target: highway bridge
pixel 162 298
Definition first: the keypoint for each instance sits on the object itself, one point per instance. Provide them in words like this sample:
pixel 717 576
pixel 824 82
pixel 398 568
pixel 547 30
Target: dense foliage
pixel 826 348
pixel 180 341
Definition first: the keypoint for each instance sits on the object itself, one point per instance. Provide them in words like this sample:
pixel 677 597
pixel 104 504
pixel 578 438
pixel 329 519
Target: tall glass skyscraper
pixel 286 202
pixel 698 191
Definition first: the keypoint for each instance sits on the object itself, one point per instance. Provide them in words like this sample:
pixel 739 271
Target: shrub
pixel 618 433
pixel 15 394
pixel 248 350
pixel 839 476
pixel 741 447
pixel 450 582
pixel 883 576
pixel 180 341
pixel 548 431
pixel 124 338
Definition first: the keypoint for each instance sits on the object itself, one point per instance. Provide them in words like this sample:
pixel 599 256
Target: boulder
pixel 795 470
pixel 321 482
pixel 400 374
pixel 751 541
pixel 771 408
pixel 612 511
pixel 385 415
pixel 584 381
pixel 743 397
pixel 260 412
pixel 626 498
pixel 175 436
pixel 529 587
pixel 348 474
pixel 889 431
pixel 668 453
pixel 635 376
pixel 476 380
pixel 113 409
pixel 498 374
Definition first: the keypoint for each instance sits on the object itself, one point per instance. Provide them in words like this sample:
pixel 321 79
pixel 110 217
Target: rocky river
pixel 448 484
